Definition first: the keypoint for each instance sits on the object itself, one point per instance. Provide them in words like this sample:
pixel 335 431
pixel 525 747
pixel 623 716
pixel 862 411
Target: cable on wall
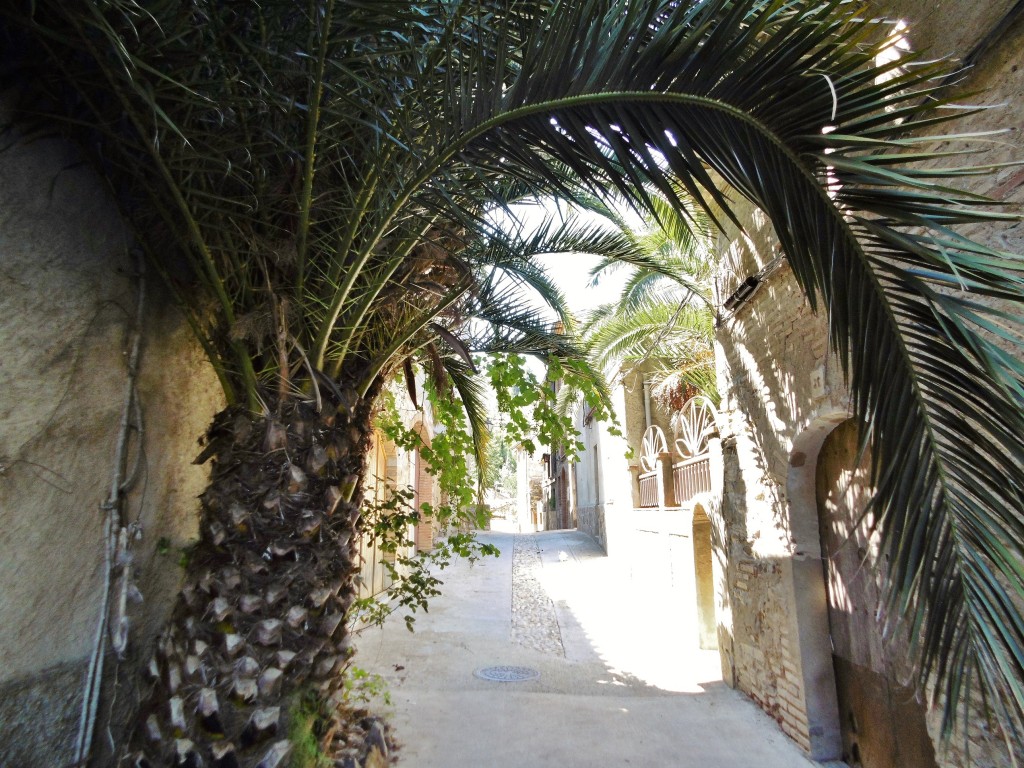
pixel 116 537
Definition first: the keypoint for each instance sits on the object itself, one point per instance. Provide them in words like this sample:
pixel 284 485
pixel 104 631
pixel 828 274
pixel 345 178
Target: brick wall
pixel 780 389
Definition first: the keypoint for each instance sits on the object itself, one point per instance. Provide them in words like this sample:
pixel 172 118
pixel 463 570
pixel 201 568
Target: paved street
pixel 620 683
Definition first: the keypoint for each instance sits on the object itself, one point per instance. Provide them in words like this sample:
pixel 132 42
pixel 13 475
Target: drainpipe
pixel 647 404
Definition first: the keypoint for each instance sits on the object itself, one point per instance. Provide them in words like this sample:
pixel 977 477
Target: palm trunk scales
pixel 258 634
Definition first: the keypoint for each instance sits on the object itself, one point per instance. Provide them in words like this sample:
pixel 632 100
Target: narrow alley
pixel 613 677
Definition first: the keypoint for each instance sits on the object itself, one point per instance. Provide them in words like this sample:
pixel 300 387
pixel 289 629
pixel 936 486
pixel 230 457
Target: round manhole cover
pixel 507 674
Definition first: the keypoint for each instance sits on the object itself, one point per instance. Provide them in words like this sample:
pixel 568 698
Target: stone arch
pixel 882 721
pixel 810 643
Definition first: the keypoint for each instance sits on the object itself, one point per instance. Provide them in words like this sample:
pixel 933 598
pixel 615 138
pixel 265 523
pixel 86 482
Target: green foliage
pixel 362 688
pixel 305 724
pixel 530 405
pixel 447 453
pixel 185 554
pixel 663 318
pixel 536 416
pixel 501 462
pixel 308 183
pixel 413 579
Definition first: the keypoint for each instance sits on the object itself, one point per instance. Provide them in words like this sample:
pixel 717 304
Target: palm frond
pixel 745 96
pixel 471 389
pixel 359 135
pixel 675 334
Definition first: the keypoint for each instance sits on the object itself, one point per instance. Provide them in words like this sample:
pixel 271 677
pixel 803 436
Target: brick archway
pixel 811 647
pixel 882 720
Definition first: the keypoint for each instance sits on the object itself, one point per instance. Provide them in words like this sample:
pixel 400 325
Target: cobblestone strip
pixel 533 616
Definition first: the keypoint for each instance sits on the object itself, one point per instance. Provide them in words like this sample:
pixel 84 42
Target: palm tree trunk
pixel 257 640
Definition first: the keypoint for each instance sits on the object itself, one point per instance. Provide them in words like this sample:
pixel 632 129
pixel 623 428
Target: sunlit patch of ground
pixel 640 628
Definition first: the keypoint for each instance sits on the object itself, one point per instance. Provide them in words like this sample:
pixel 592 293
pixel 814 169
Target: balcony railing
pixel 649 489
pixel 691 474
pixel 690 478
pixel 654 446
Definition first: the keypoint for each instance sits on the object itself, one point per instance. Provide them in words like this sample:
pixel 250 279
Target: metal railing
pixel 648 489
pixel 691 477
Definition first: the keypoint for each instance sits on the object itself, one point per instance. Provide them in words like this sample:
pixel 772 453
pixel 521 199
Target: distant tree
pixel 663 318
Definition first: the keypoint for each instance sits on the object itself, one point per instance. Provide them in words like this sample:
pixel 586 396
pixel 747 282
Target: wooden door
pixel 424 490
pixel 882 723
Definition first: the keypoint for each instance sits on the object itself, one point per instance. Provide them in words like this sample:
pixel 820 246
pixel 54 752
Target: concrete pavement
pixel 620 683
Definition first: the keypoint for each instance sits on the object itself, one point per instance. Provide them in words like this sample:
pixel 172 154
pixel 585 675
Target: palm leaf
pixel 899 337
pixel 473 398
pixel 375 127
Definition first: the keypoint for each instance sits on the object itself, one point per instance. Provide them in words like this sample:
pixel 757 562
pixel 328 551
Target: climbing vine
pixel 534 416
pixel 388 521
pixel 537 408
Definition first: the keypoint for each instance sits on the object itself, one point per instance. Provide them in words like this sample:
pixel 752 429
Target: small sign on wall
pixel 818 382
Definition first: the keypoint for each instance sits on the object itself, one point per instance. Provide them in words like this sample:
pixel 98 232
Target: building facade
pixel 793 578
pixel 804 636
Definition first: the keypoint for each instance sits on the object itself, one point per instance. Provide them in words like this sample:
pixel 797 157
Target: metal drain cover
pixel 507 674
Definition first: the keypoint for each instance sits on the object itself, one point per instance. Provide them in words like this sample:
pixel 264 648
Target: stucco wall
pixel 67 308
pixel 605 486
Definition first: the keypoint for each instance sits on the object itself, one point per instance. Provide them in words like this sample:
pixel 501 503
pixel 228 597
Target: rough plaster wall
pixel 601 474
pixel 618 485
pixel 633 418
pixel 67 303
pixel 946 27
pixel 587 471
pixel 587 464
pixel 770 350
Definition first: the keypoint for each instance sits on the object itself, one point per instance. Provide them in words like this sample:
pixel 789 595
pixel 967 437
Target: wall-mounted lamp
pixel 743 292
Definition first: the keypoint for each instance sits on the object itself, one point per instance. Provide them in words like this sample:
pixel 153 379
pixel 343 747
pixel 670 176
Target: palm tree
pixel 663 318
pixel 306 180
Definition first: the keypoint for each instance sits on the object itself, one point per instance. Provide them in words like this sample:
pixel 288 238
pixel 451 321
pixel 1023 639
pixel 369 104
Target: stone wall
pixel 782 394
pixel 775 377
pixel 68 294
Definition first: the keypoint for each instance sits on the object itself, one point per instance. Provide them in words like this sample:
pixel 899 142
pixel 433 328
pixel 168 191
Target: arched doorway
pixel 703 567
pixel 881 723
pixel 423 536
